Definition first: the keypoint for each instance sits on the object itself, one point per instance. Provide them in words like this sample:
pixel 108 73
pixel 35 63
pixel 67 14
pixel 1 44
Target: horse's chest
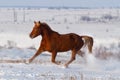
pixel 46 45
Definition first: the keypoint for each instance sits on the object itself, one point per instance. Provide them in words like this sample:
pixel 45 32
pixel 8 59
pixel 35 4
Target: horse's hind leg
pixel 81 53
pixel 72 58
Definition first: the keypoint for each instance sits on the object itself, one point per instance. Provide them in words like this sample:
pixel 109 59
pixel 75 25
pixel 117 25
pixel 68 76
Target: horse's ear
pixel 39 22
pixel 34 22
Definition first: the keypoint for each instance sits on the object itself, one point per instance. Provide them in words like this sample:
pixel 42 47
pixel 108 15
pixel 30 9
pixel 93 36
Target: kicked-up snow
pixel 42 69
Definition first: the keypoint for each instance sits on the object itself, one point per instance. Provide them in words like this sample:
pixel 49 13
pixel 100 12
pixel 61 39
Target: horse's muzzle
pixel 31 36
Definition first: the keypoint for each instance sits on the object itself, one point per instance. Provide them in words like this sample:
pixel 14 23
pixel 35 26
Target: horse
pixel 54 42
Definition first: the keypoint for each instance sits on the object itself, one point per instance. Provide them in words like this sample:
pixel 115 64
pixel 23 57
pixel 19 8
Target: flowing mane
pixel 46 26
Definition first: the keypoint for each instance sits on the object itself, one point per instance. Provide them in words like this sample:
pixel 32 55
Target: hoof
pixel 65 66
pixel 58 62
pixel 27 61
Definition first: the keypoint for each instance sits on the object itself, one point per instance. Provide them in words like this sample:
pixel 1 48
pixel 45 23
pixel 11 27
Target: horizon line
pixel 53 7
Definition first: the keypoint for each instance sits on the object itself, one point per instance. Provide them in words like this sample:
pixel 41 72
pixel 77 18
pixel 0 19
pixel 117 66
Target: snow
pixel 15 44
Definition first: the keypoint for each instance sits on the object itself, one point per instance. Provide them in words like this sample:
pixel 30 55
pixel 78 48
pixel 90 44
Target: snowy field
pixel 16 46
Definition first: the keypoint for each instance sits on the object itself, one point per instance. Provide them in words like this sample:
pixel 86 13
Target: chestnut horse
pixel 54 42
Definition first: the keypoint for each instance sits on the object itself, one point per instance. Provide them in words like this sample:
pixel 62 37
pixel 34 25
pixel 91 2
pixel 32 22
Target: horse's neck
pixel 46 33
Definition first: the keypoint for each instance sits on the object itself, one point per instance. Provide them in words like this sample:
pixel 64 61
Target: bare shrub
pixel 117 56
pixel 107 17
pixel 10 44
pixel 32 47
pixel 1 47
pixel 105 53
pixel 119 45
pixel 85 18
pixel 102 53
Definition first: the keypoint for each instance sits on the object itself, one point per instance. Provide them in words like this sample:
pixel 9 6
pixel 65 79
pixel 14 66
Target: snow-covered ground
pixel 102 24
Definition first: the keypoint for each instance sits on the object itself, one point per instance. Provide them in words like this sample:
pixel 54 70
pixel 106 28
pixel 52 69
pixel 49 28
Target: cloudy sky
pixel 61 3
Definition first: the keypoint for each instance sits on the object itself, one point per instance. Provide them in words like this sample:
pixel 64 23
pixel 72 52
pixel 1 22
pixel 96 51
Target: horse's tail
pixel 89 42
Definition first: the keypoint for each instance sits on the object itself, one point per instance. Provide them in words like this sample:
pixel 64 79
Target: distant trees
pixel 59 16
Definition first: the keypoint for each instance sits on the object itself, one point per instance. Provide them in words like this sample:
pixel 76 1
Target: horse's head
pixel 36 30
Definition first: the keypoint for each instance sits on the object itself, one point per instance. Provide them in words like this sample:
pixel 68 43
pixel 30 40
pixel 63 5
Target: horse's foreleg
pixel 36 54
pixel 72 58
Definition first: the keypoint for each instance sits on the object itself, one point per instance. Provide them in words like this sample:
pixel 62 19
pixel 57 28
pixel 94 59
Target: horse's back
pixel 65 42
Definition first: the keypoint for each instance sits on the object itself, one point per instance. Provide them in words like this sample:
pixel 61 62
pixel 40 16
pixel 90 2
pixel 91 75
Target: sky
pixel 62 3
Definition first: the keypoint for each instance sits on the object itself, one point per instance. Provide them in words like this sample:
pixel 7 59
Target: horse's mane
pixel 46 26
